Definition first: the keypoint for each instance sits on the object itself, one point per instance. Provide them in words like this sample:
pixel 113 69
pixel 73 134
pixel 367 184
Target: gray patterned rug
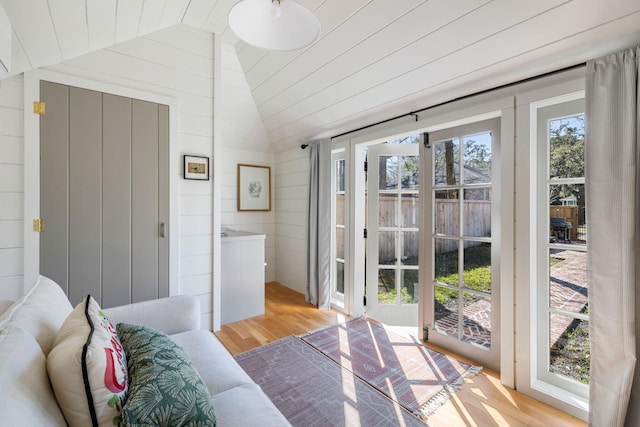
pixel 312 390
pixel 415 376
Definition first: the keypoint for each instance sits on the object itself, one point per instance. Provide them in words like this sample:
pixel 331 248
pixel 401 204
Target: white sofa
pixel 28 328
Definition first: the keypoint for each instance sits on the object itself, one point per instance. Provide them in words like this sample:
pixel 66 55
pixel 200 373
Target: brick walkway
pixel 568 291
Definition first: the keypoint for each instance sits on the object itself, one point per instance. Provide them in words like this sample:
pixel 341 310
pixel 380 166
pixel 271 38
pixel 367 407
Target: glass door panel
pixel 393 234
pixel 463 304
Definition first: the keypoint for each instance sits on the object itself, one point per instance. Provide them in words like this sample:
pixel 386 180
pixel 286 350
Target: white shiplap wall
pixel 11 187
pixel 177 62
pixel 291 186
pixel 244 140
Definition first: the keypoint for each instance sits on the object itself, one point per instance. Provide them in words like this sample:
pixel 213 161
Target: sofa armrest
pixel 170 315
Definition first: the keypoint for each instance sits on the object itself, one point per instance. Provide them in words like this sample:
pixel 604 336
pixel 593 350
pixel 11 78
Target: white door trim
pixel 32 165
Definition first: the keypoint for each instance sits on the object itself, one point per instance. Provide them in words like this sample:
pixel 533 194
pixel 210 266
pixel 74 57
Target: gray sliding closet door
pixel 54 181
pixel 104 195
pixel 116 197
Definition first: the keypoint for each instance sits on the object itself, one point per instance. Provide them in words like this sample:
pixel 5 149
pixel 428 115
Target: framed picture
pixel 254 188
pixel 196 167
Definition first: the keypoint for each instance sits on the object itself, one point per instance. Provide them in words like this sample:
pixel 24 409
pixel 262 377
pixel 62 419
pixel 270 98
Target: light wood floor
pixel 482 401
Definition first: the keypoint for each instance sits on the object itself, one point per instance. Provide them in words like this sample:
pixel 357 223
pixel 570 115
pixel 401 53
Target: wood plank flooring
pixel 481 402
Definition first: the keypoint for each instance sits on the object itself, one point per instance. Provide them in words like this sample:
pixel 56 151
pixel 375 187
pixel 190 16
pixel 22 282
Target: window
pixel 338 221
pixel 562 312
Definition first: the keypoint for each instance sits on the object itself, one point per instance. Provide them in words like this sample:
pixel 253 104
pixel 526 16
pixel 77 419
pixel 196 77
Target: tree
pixel 566 159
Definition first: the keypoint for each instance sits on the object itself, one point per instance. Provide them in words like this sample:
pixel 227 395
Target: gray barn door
pixel 104 190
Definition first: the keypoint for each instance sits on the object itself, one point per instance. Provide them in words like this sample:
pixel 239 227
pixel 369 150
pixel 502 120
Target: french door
pixel 393 232
pixel 462 230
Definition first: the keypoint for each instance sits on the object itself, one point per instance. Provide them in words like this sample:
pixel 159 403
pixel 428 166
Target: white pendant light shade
pixel 277 25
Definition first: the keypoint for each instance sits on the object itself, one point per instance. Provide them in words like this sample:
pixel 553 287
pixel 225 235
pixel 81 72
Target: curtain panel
pixel 318 254
pixel 613 215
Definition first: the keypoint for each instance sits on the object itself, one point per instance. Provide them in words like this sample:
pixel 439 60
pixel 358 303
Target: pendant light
pixel 274 24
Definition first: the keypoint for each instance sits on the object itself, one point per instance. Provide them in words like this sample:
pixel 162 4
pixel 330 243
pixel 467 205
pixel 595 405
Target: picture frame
pixel 196 167
pixel 254 188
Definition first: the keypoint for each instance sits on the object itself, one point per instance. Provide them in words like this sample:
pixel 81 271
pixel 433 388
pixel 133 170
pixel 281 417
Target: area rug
pixel 418 378
pixel 311 390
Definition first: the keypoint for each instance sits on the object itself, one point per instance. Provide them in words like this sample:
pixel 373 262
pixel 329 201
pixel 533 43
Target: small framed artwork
pixel 196 167
pixel 254 188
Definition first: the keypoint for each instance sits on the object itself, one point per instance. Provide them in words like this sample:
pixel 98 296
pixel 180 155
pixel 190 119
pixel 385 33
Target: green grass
pixel 476 274
pixel 570 356
pixel 406 292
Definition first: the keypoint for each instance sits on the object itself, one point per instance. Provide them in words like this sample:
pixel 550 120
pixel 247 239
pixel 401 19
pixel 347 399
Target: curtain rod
pixel 415 113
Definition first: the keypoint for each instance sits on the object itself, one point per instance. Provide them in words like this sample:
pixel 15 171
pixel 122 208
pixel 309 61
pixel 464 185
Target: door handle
pixel 163 232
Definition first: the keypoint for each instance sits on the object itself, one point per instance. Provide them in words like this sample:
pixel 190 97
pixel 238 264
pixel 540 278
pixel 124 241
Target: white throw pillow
pixel 27 398
pixel 40 312
pixel 88 368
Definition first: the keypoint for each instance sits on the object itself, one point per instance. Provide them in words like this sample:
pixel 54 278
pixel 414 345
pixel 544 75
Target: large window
pixel 562 311
pixel 338 229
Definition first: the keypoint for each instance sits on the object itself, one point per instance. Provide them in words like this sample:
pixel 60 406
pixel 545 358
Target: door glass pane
pixel 566 147
pixel 340 209
pixel 446 261
pixel 477 212
pixel 340 242
pixel 569 347
pixel 388 173
pixel 410 172
pixel 568 289
pixel 477 320
pixel 409 210
pixel 387 209
pixel 567 214
pixel 447 213
pixel 410 247
pixel 446 162
pixel 446 310
pixel 387 293
pixel 477 159
pixel 340 181
pixel 386 247
pixel 340 277
pixel 409 289
pixel 477 266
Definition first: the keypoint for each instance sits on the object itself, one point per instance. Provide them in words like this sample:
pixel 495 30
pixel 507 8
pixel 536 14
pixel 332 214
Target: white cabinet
pixel 242 274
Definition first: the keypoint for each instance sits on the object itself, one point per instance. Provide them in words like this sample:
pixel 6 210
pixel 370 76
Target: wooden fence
pixel 477 223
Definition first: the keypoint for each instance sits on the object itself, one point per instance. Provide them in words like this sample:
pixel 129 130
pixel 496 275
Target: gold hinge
pixel 38 225
pixel 39 108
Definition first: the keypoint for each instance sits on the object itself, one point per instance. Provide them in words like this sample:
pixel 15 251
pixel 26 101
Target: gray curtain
pixel 319 225
pixel 613 218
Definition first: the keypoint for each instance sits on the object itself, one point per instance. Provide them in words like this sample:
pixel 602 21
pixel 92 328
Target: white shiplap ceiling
pixel 375 58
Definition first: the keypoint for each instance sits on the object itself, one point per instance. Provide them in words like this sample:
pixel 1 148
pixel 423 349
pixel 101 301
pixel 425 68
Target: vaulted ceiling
pixel 375 58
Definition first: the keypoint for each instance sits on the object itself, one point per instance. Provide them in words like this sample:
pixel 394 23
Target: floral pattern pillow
pixel 88 368
pixel 165 389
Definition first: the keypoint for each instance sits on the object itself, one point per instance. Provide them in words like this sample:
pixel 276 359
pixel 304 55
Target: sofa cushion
pixel 40 312
pixel 215 364
pixel 165 389
pixel 27 398
pixel 5 304
pixel 87 368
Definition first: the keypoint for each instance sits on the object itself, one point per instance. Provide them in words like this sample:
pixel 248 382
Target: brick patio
pixel 568 291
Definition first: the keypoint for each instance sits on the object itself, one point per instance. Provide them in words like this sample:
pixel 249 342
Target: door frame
pixel 32 165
